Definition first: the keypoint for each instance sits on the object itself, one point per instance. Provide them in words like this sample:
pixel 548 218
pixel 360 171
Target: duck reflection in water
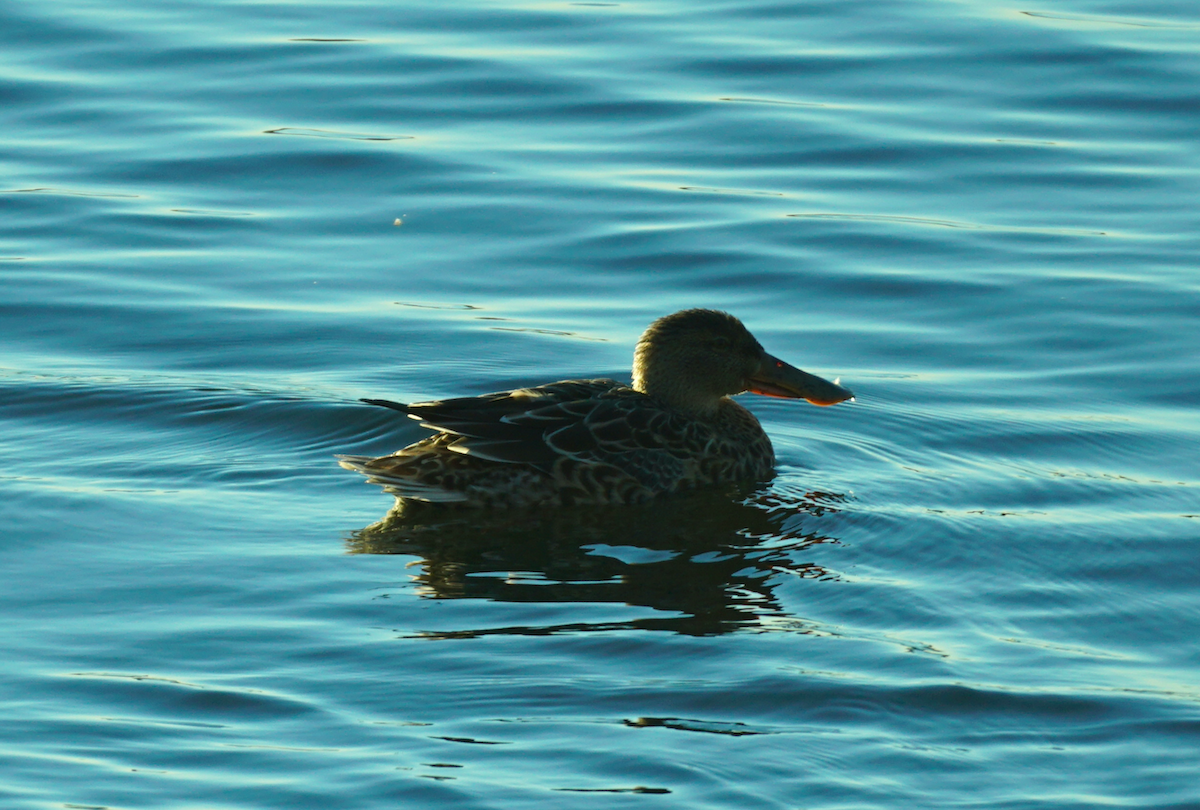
pixel 706 563
pixel 593 442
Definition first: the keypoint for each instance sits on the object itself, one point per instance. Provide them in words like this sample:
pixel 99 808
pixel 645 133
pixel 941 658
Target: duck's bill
pixel 776 378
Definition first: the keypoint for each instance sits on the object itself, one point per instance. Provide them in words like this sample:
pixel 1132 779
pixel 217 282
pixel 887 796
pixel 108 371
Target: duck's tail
pixel 379 471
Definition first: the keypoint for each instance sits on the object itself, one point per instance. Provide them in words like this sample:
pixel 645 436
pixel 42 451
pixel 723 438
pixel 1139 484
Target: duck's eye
pixel 722 343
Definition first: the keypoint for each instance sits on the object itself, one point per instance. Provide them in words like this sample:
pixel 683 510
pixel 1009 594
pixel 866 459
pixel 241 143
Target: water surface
pixel 972 587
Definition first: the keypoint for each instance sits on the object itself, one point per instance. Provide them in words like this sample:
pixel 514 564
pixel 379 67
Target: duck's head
pixel 694 358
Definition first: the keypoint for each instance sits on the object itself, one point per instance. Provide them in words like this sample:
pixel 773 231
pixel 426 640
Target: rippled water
pixel 223 223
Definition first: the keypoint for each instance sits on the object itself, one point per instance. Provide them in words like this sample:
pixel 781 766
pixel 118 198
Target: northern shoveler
pixel 602 441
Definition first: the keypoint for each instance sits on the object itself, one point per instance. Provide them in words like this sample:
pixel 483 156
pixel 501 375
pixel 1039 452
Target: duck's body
pixel 601 441
pixel 572 442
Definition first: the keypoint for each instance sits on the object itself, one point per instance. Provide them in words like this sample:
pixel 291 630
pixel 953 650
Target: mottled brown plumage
pixel 601 441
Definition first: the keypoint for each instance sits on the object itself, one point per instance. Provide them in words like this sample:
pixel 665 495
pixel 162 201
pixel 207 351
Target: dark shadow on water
pixel 708 563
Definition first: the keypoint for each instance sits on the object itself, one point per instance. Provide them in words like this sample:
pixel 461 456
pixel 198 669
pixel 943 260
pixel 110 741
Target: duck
pixel 673 429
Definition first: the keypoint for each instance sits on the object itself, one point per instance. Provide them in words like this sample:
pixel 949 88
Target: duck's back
pixel 572 442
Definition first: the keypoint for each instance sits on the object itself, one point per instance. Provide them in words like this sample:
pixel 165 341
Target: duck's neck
pixel 674 392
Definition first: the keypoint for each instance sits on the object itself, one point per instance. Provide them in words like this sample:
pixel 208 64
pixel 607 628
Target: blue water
pixel 222 223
